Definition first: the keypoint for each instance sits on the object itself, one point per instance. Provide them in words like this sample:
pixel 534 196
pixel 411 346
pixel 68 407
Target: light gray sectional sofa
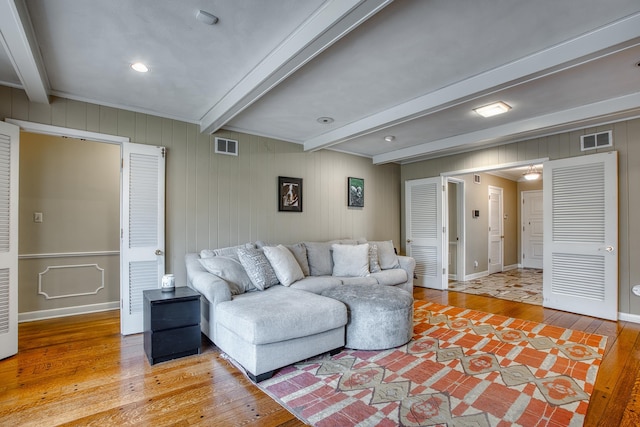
pixel 262 305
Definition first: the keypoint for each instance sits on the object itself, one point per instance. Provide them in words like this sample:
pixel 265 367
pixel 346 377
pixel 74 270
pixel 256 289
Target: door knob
pixel 159 252
pixel 408 240
pixel 609 249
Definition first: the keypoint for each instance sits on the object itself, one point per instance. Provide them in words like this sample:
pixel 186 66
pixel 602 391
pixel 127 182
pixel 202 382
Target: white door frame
pixel 460 247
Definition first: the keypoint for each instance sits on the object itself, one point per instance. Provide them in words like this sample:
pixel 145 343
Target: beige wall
pixel 477 229
pixel 216 200
pixel 76 186
pixel 626 139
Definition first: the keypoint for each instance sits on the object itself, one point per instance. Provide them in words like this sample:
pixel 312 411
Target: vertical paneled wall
pixel 626 141
pixel 217 200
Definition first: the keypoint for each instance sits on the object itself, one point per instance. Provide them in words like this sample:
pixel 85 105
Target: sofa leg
pixel 335 351
pixel 260 377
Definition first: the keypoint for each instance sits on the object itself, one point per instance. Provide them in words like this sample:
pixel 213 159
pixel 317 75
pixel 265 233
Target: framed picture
pixel 289 194
pixel 355 192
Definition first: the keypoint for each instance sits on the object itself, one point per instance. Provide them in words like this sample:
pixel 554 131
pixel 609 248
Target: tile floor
pixel 522 285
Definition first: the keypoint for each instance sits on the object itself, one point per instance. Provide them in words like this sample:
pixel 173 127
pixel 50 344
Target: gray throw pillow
pixel 229 252
pixel 386 254
pixel 374 265
pixel 231 271
pixel 284 264
pixel 258 268
pixel 319 256
pixel 299 251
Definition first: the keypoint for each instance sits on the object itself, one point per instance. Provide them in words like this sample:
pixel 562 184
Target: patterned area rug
pixel 521 285
pixel 462 368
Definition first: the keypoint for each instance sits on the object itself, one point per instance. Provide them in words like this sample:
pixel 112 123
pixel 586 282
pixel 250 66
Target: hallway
pixel 520 285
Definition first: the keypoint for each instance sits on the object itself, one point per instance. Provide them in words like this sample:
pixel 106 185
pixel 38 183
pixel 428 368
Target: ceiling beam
pixel 18 39
pixel 479 138
pixel 330 23
pixel 552 60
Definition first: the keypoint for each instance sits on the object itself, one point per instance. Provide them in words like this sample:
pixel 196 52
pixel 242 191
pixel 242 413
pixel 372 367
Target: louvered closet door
pixel 142 244
pixel 423 207
pixel 9 152
pixel 581 235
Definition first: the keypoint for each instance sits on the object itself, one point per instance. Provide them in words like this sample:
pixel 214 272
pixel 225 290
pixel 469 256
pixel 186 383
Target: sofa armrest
pixel 212 287
pixel 408 264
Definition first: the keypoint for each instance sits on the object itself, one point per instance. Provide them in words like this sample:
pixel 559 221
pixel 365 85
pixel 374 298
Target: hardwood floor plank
pixel 79 370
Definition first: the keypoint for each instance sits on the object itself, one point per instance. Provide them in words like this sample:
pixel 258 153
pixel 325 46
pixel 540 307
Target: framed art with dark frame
pixel 289 194
pixel 355 192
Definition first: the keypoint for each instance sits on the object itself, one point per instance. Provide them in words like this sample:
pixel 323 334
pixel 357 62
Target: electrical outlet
pixel 37 217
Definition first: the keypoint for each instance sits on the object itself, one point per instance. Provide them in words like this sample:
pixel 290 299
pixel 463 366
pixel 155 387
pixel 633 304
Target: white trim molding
pixel 31 316
pixel 628 317
pixel 68 254
pixel 68 132
pixel 57 267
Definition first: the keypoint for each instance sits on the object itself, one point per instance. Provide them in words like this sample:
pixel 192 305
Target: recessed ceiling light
pixel 325 120
pixel 492 109
pixel 139 67
pixel 389 138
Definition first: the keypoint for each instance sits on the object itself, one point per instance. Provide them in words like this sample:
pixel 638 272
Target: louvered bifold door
pixel 142 238
pixel 9 152
pixel 424 201
pixel 581 235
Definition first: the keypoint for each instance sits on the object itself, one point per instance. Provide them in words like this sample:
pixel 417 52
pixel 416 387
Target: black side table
pixel 171 324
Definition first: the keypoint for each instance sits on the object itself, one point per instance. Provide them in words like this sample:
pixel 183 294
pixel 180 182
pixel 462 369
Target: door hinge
pixel 122 163
pixel 444 271
pixel 523 256
pixel 163 151
pixel 121 233
pixel 444 229
pixel 444 188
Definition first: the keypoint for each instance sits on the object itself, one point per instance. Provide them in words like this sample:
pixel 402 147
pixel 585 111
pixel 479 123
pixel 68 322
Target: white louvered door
pixel 142 240
pixel 9 153
pixel 581 235
pixel 424 217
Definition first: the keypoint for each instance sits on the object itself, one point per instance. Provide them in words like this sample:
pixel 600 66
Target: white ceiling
pixel 412 69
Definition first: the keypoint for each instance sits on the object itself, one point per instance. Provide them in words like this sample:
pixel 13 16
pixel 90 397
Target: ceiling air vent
pixel 226 146
pixel 596 140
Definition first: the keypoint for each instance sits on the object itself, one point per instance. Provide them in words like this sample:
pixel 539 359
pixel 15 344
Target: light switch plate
pixel 37 217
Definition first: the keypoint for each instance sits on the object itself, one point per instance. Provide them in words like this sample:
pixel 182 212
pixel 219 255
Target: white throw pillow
pixel 231 271
pixel 284 264
pixel 350 260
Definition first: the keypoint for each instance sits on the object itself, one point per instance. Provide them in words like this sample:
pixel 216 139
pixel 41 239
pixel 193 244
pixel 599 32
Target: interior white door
pixel 581 235
pixel 496 235
pixel 9 155
pixel 532 229
pixel 424 200
pixel 142 239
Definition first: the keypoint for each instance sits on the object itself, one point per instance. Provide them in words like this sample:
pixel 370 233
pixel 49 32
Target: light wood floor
pixel 80 371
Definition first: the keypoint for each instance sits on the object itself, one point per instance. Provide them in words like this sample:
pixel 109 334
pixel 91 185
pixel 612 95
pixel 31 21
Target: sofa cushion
pixel 280 314
pixel 317 284
pixel 393 276
pixel 230 252
pixel 231 271
pixel 350 260
pixel 368 280
pixel 284 264
pixel 386 254
pixel 319 256
pixel 299 251
pixel 258 268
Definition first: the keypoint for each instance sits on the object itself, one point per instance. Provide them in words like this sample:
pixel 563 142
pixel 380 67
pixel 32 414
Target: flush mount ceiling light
pixel 325 120
pixel 389 138
pixel 493 109
pixel 139 67
pixel 532 173
pixel 206 17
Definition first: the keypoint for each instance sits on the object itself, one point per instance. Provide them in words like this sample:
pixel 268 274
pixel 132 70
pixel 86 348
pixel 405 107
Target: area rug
pixel 462 368
pixel 520 284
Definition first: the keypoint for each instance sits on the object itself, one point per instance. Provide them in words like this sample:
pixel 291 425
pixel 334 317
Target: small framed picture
pixel 355 192
pixel 289 194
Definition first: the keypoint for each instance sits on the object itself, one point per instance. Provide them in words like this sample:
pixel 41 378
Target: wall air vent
pixel 226 146
pixel 476 178
pixel 596 140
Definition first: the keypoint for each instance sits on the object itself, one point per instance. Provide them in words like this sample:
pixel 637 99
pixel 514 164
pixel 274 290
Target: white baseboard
pixel 30 316
pixel 511 267
pixel 476 275
pixel 627 317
